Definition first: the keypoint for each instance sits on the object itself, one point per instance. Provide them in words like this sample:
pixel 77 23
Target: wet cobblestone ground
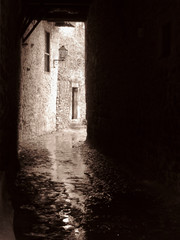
pixel 67 190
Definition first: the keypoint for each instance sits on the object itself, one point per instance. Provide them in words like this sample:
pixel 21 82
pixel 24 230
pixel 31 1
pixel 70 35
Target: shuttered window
pixel 47 52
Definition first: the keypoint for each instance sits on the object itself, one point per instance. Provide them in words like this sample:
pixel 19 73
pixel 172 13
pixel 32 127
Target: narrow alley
pixel 113 66
pixel 68 190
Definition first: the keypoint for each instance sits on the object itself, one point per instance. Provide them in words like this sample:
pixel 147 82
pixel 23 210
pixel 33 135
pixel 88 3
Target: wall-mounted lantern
pixel 63 52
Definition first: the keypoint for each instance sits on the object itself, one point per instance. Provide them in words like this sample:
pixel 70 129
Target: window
pixel 47 52
pixel 166 40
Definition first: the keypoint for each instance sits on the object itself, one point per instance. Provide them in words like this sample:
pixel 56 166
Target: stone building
pixel 71 106
pixel 38 87
pixel 47 82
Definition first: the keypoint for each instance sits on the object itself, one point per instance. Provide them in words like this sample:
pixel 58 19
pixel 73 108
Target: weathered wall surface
pixel 132 89
pixel 38 87
pixel 9 85
pixel 71 74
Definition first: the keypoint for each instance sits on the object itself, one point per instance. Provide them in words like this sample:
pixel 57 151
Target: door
pixel 74 102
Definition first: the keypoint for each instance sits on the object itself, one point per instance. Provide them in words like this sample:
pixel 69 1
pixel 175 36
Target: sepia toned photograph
pixel 89 120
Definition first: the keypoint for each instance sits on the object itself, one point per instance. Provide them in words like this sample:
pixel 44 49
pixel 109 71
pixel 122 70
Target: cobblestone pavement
pixel 67 190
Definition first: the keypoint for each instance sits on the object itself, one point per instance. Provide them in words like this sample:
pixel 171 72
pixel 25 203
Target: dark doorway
pixel 74 102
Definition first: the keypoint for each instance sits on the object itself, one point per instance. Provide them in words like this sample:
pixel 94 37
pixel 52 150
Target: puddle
pixel 67 190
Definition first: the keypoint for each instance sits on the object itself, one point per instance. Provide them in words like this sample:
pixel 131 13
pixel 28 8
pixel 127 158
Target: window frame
pixel 47 52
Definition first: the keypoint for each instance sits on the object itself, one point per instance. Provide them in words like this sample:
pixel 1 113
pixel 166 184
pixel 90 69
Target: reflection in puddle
pixel 64 183
pixel 70 193
pixel 66 220
pixel 67 227
pixel 67 164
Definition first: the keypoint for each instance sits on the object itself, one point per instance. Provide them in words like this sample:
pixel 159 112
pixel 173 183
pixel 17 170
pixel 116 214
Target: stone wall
pixel 38 87
pixel 10 23
pixel 9 81
pixel 132 88
pixel 71 74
